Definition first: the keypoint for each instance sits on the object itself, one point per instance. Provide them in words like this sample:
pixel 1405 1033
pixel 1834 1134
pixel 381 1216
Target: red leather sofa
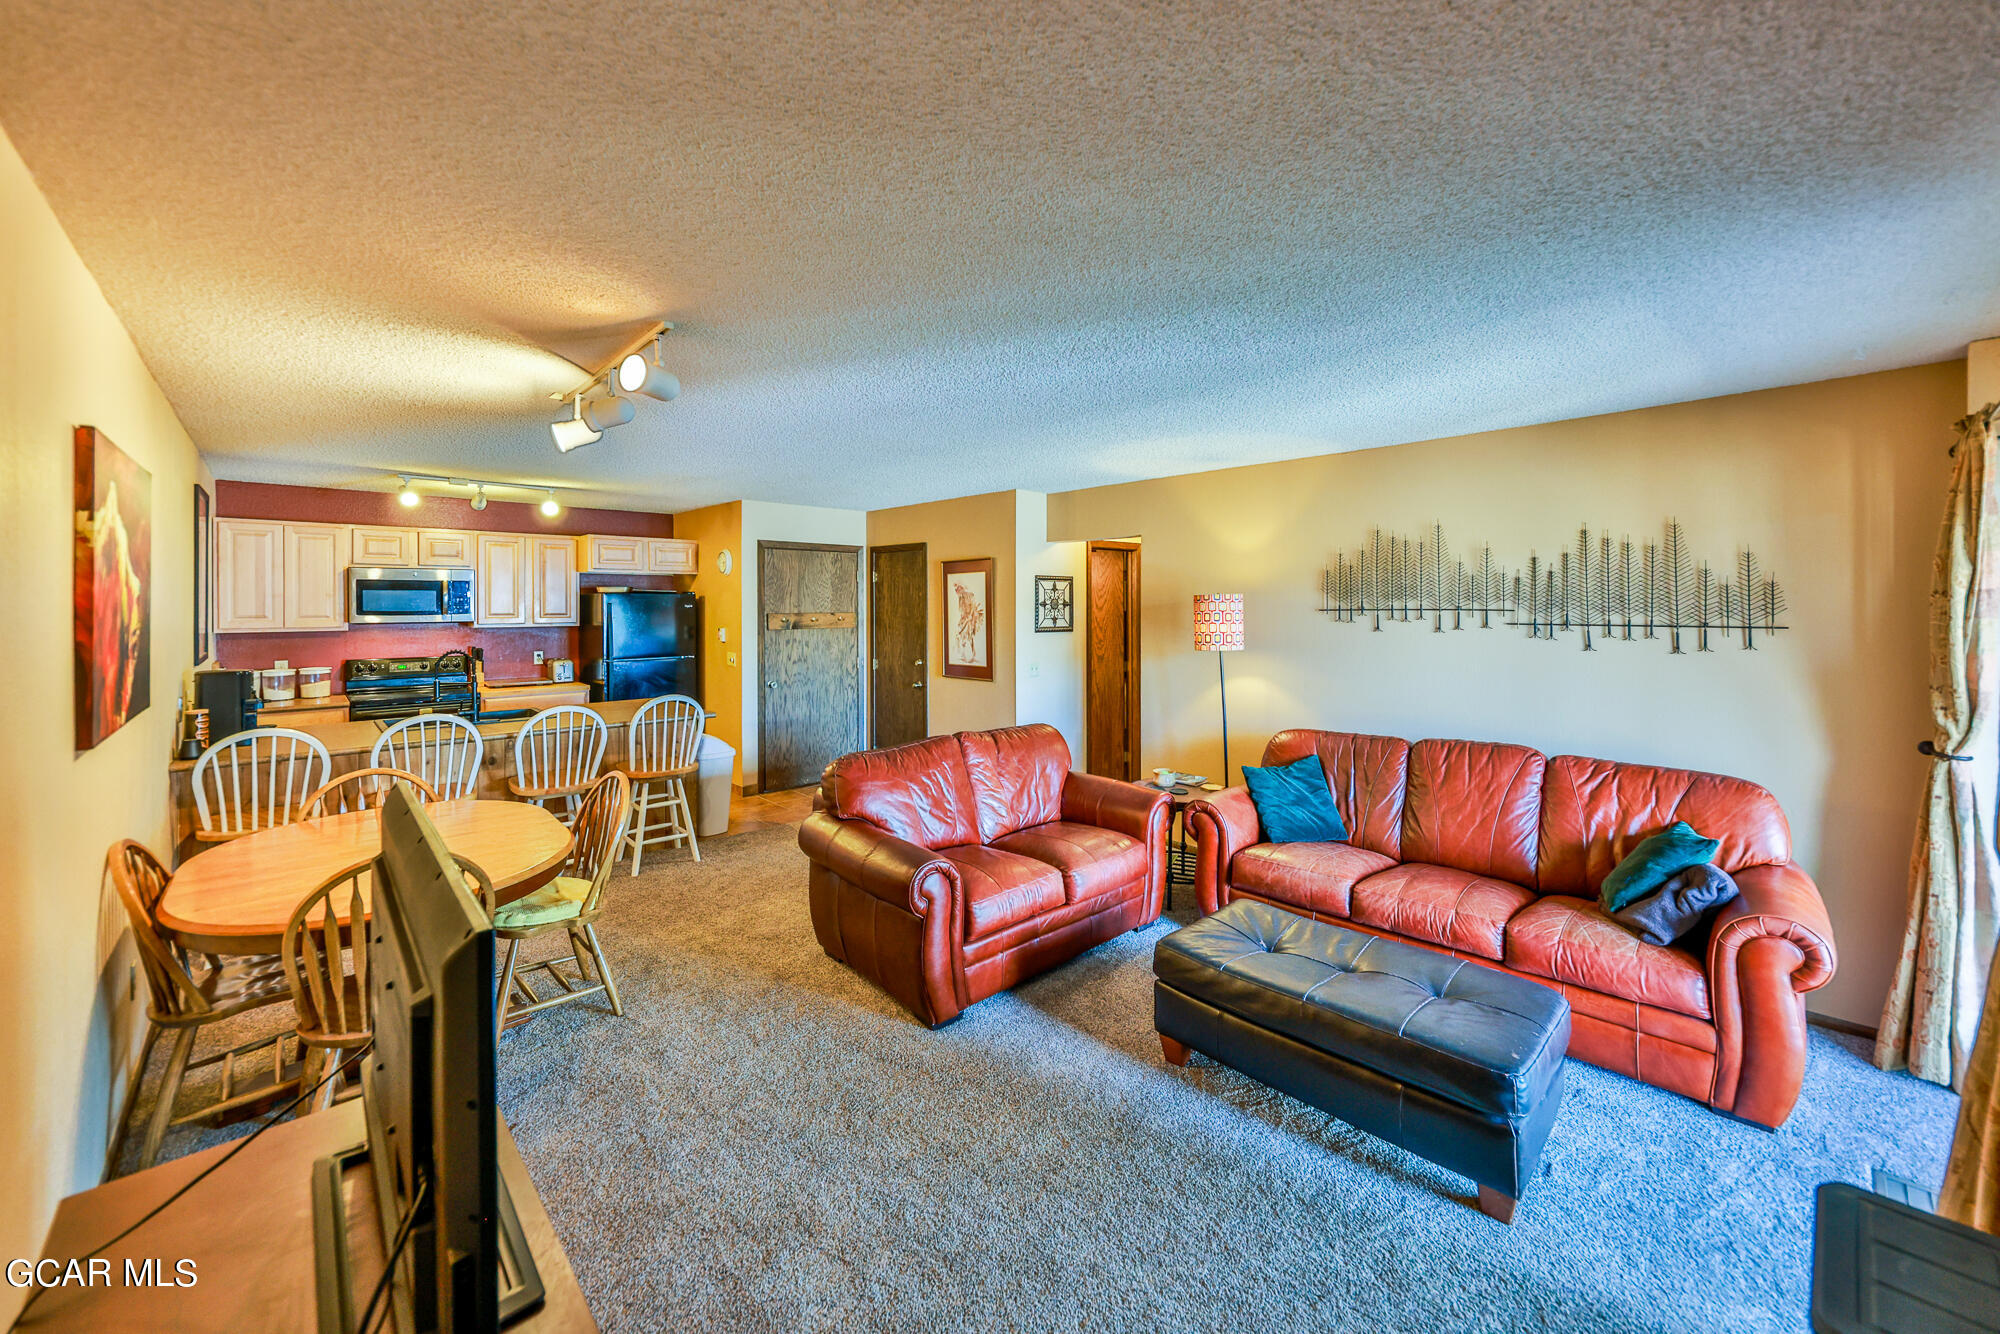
pixel 950 869
pixel 1496 853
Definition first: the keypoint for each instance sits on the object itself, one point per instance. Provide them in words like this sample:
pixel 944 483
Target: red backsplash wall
pixel 509 653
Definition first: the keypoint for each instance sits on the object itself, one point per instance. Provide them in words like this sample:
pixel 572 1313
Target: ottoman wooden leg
pixel 1495 1205
pixel 1175 1052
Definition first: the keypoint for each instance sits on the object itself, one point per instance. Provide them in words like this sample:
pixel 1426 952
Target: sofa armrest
pixel 1223 825
pixel 1132 809
pixel 892 869
pixel 1778 900
pixel 1769 946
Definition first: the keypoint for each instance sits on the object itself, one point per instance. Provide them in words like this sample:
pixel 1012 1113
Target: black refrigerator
pixel 638 645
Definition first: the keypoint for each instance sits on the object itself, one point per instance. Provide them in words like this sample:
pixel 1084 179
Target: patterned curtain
pixel 1933 1010
pixel 1971 1191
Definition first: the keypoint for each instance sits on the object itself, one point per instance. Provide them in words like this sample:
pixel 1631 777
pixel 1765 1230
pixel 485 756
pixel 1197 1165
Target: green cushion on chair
pixel 561 898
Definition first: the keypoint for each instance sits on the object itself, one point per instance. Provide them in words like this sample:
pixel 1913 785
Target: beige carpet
pixel 766 1142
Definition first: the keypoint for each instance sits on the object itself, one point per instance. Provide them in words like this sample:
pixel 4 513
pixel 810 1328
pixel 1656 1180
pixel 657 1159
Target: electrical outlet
pixel 538 657
pixel 1034 669
pixel 729 658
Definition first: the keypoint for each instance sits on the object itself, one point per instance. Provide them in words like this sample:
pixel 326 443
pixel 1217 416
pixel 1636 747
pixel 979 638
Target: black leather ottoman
pixel 1458 1063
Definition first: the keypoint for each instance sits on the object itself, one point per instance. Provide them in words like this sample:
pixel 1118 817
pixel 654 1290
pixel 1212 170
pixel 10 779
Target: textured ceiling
pixel 921 250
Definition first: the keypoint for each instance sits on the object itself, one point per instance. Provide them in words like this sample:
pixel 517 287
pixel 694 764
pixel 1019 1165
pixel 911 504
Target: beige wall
pixel 1048 683
pixel 965 529
pixel 713 530
pixel 66 1027
pixel 1838 486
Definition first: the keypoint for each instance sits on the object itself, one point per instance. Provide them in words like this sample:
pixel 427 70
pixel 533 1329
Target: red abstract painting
pixel 114 576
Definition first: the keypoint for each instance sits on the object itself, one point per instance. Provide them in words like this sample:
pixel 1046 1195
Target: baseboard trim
pixel 1847 1026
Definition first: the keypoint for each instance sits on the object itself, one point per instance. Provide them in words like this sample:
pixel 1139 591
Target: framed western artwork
pixel 1055 603
pixel 968 619
pixel 203 534
pixel 114 587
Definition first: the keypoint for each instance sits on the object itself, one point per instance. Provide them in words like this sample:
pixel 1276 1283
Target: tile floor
pixel 767 810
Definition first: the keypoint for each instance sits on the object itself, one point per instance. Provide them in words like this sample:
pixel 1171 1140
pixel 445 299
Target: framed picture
pixel 1055 603
pixel 203 567
pixel 113 587
pixel 968 619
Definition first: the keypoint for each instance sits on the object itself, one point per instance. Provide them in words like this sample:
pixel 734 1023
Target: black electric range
pixel 404 687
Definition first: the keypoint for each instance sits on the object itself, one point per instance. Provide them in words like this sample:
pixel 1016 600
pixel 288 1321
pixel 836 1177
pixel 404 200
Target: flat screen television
pixel 428 1092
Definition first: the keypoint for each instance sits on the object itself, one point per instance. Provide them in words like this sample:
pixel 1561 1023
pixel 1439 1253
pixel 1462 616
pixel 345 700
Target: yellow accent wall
pixel 715 529
pixel 1837 485
pixel 67 1026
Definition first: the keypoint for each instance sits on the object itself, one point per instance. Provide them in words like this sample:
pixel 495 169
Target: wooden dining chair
pixel 184 994
pixel 335 1011
pixel 661 748
pixel 557 754
pixel 571 903
pixel 361 790
pixel 256 780
pixel 443 749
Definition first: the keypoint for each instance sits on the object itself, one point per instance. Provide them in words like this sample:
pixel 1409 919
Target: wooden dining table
pixel 237 897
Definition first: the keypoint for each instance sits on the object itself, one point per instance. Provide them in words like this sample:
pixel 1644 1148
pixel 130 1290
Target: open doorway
pixel 1111 659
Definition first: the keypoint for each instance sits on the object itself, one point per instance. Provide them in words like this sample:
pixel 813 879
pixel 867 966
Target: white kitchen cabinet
pixel 316 560
pixel 505 595
pixel 249 575
pixel 395 548
pixel 669 555
pixel 552 566
pixel 615 555
pixel 440 547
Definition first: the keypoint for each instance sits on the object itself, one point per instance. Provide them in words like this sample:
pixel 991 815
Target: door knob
pixel 916 685
pixel 771 684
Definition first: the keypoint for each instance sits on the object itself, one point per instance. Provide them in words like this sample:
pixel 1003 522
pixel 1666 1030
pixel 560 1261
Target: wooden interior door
pixel 809 652
pixel 898 633
pixel 1111 675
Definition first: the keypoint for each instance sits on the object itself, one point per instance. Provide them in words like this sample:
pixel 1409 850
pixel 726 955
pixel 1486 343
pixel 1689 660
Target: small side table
pixel 1180 850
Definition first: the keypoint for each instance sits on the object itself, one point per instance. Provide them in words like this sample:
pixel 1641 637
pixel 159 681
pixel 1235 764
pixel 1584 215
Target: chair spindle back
pixel 329 1014
pixel 257 780
pixel 560 748
pixel 665 735
pixel 361 790
pixel 443 749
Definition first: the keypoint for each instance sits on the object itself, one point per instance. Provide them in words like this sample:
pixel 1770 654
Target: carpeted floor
pixel 765 1142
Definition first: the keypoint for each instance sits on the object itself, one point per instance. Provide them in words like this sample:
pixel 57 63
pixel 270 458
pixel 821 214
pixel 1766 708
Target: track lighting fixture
pixel 408 494
pixel 574 432
pixel 632 371
pixel 479 499
pixel 549 506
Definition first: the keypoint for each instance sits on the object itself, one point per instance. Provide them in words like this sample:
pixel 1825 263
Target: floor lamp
pixel 1218 625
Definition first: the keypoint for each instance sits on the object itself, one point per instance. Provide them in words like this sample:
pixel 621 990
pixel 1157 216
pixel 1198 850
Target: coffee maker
pixel 230 697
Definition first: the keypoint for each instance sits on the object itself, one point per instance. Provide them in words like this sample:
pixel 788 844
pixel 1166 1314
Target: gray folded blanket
pixel 1678 906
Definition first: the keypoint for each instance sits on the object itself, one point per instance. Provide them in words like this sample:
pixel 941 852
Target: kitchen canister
pixel 315 682
pixel 277 684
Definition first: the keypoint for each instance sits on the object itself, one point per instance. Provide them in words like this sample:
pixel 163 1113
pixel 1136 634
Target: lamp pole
pixel 1222 684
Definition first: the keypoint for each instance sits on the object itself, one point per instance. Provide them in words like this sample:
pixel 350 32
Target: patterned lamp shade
pixel 1218 621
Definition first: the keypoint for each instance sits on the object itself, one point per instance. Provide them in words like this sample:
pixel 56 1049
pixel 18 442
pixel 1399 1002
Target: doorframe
pixel 1131 639
pixel 874 593
pixel 860 695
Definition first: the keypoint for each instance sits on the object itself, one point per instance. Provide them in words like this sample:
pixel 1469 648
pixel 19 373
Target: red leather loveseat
pixel 950 869
pixel 1496 853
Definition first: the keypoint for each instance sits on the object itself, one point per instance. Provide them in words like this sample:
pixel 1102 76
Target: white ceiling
pixel 919 250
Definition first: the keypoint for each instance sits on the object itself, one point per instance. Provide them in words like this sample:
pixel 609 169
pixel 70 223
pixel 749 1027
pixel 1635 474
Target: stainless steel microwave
pixel 381 595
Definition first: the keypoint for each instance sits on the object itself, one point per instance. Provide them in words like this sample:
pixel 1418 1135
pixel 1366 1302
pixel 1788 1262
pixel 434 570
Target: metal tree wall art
pixel 1596 588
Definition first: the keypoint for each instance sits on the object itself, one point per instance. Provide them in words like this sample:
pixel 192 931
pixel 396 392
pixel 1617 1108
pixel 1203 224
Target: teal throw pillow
pixel 1658 859
pixel 1293 802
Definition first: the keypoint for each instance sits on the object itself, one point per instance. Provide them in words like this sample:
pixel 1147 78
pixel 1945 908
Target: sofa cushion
pixel 1657 859
pixel 1092 861
pixel 1474 806
pixel 1448 907
pixel 1575 941
pixel 1314 878
pixel 1366 776
pixel 1002 888
pixel 1594 812
pixel 919 792
pixel 1293 802
pixel 1016 775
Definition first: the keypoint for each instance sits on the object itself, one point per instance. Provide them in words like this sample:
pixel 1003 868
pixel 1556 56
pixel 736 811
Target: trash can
pixel 715 765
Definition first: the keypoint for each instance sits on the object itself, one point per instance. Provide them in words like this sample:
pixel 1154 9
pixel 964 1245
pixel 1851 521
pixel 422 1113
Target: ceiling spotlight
pixel 549 506
pixel 637 375
pixel 408 495
pixel 574 432
pixel 479 499
pixel 601 414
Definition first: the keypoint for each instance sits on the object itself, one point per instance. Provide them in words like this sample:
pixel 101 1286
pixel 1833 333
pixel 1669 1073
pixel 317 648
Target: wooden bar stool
pixel 443 749
pixel 660 756
pixel 557 754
